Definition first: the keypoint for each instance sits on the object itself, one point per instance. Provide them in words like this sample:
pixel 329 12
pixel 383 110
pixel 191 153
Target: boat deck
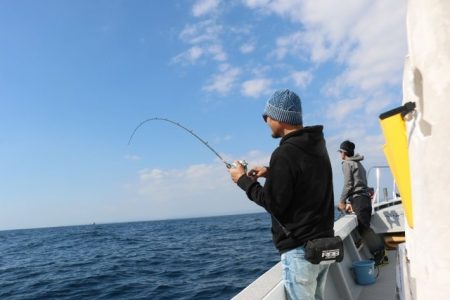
pixel 384 287
pixel 340 283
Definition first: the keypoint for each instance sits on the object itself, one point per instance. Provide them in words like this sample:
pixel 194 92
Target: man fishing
pixel 298 193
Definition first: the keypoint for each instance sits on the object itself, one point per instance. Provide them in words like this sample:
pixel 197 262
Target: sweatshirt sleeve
pixel 277 188
pixel 348 181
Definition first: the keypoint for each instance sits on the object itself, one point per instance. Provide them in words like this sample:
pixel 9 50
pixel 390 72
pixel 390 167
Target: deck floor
pixel 385 286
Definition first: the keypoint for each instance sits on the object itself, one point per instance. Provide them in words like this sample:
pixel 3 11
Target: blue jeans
pixel 302 279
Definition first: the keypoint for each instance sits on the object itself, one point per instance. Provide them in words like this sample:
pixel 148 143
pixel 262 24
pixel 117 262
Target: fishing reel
pixel 234 165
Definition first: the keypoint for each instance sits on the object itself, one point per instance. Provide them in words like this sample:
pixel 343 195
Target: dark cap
pixel 347 147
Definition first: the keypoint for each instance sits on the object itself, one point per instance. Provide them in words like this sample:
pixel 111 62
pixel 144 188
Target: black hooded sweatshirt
pixel 298 191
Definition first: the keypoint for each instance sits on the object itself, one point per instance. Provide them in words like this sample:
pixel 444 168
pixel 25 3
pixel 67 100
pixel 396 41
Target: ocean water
pixel 201 258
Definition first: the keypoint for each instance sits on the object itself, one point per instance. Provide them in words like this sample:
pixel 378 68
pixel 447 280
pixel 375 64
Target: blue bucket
pixel 364 271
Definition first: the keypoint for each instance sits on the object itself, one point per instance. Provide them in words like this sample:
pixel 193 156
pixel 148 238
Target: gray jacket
pixel 355 180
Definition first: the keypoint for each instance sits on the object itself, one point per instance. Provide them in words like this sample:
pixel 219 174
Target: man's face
pixel 275 127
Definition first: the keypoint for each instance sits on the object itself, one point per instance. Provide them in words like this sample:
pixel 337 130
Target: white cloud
pixel 327 25
pixel 375 57
pixel 302 44
pixel 247 48
pixel 217 52
pixel 257 158
pixel 159 185
pixel 205 38
pixel 223 81
pixel 342 109
pixel 288 8
pixel 256 87
pixel 362 42
pixel 373 106
pixel 256 3
pixel 193 180
pixel 203 7
pixel 260 70
pixel 372 55
pixel 205 31
pixel 287 44
pixel 191 56
pixel 301 78
pixel 377 61
pixel 198 189
pixel 319 47
pixel 332 19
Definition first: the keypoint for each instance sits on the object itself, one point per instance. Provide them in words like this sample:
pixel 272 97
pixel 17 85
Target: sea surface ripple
pixel 201 258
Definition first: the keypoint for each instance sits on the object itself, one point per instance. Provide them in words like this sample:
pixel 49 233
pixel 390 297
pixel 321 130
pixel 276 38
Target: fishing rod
pixel 227 164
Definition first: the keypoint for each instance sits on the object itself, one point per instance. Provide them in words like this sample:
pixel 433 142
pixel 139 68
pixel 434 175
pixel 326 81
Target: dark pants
pixel 362 206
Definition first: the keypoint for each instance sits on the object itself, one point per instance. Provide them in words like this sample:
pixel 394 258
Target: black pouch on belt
pixel 324 250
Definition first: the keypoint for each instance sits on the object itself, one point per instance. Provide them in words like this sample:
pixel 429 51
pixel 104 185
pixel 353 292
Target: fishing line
pixel 228 165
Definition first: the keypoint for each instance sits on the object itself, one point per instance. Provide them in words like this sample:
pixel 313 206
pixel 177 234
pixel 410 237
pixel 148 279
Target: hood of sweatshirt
pixel 356 157
pixel 309 139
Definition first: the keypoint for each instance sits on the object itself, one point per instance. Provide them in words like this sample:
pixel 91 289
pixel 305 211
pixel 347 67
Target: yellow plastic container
pixel 396 152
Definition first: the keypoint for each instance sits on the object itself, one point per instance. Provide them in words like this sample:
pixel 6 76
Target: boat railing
pixel 381 198
pixel 340 284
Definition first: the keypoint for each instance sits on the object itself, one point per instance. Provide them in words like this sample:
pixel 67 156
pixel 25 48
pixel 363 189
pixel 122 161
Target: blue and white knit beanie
pixel 284 106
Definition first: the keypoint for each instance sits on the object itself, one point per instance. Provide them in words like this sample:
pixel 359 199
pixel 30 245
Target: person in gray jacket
pixel 355 189
pixel 356 192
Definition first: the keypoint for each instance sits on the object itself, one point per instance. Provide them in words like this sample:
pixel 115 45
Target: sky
pixel 76 78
